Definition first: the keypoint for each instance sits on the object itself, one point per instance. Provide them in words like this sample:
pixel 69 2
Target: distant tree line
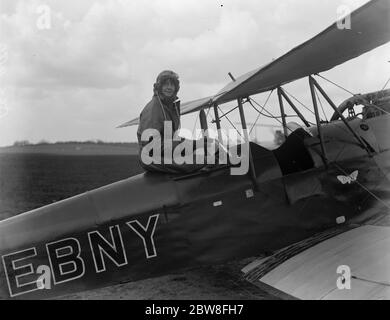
pixel 21 143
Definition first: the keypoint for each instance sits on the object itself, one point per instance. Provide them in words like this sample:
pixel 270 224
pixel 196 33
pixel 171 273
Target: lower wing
pixel 350 263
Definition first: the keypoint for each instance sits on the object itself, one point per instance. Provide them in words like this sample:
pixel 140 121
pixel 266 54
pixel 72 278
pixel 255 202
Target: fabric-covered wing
pixel 195 105
pixel 187 107
pixel 334 46
pixel 321 271
pixel 129 123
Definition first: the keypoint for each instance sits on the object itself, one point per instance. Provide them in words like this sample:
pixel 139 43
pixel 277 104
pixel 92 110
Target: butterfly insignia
pixel 348 179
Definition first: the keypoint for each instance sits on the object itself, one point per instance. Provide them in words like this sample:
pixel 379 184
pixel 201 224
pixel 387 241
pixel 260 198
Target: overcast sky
pixel 94 67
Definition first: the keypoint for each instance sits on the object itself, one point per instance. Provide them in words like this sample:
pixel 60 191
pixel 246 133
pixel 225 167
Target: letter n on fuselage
pixel 113 249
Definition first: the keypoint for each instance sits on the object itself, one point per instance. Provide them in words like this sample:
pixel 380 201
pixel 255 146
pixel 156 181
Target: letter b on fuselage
pixel 65 260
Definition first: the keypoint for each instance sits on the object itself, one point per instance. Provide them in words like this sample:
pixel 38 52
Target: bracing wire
pixel 250 100
pixel 231 123
pixel 270 114
pixel 322 107
pixel 363 187
pixel 225 114
pixel 193 129
pixel 353 94
pixel 257 119
pixel 307 108
pixel 337 85
pixel 387 82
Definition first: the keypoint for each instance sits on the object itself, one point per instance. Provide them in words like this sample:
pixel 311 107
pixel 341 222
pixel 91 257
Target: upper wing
pixel 351 265
pixel 185 108
pixel 129 123
pixel 196 105
pixel 333 46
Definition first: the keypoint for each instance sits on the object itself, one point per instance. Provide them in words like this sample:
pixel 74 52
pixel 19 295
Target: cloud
pixel 95 67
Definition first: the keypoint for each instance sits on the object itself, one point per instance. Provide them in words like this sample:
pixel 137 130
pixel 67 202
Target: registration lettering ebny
pixel 67 259
pixel 233 148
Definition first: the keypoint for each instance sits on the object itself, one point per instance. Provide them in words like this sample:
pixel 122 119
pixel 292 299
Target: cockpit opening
pixel 293 155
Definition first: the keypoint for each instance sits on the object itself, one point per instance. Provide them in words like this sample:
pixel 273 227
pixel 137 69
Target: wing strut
pixel 282 114
pixel 315 84
pixel 292 105
pixel 217 123
pixel 318 121
pixel 252 170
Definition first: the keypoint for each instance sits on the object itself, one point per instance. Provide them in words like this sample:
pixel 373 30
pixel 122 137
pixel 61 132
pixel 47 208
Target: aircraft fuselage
pixel 154 224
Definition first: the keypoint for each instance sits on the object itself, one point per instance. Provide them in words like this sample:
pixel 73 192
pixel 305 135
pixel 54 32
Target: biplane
pixel 315 204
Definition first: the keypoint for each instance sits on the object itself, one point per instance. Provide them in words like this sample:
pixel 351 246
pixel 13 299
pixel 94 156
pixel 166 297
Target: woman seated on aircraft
pixel 157 133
